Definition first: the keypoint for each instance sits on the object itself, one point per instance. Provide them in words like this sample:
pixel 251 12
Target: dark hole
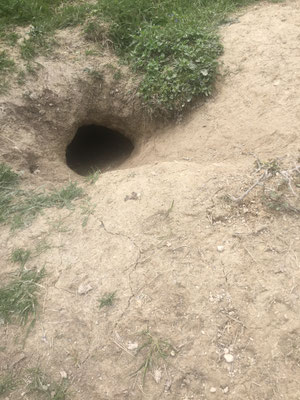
pixel 97 147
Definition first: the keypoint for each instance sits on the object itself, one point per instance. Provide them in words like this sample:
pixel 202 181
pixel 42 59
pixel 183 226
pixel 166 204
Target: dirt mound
pixel 159 283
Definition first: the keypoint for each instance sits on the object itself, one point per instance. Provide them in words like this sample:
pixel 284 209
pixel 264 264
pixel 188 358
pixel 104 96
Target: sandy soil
pixel 216 279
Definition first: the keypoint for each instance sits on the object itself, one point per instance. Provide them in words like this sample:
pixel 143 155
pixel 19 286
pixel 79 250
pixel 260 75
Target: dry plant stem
pixel 264 177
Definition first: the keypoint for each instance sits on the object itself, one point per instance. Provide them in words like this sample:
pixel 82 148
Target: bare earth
pixel 217 279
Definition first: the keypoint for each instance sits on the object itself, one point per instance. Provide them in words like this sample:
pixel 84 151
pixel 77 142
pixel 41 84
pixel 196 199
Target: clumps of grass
pixel 20 256
pixel 153 350
pixel 9 37
pixel 9 182
pixel 39 41
pixel 39 383
pixel 7 66
pixel 176 71
pixel 19 298
pixel 19 207
pixel 7 384
pixel 107 300
pixel 93 177
pixel 173 44
pixel 95 31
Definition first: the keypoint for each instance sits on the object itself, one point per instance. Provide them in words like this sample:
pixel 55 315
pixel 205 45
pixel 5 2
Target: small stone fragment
pixel 157 375
pixel 225 390
pixel 132 346
pixel 213 390
pixel 228 358
pixel 63 374
pixel 84 289
pixel 220 249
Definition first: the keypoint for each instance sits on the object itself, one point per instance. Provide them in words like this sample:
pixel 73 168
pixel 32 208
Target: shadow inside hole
pixel 97 147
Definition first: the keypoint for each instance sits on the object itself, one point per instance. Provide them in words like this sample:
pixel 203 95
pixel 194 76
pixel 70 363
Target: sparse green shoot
pixel 153 350
pixel 107 300
pixel 93 177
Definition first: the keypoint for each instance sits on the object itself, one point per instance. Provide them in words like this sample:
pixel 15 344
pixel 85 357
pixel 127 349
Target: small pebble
pixel 132 346
pixel 228 358
pixel 213 390
pixel 63 374
pixel 220 249
pixel 225 390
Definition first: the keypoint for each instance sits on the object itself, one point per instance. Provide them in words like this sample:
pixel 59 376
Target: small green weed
pixel 20 256
pixel 87 209
pixel 154 349
pixel 93 177
pixel 91 52
pixel 21 78
pixel 117 75
pixel 7 384
pixel 107 300
pixel 39 383
pixel 18 299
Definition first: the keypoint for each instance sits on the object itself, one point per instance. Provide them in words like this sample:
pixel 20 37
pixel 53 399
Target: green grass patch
pixel 152 351
pixel 18 299
pixel 107 300
pixel 20 256
pixel 7 66
pixel 19 208
pixel 7 384
pixel 173 44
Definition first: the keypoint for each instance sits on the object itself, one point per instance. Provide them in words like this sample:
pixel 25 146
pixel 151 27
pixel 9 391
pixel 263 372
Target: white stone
pixel 213 390
pixel 84 289
pixel 132 346
pixel 220 249
pixel 228 358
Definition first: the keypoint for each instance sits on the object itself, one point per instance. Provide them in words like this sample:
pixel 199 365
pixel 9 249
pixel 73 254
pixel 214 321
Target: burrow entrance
pixel 96 147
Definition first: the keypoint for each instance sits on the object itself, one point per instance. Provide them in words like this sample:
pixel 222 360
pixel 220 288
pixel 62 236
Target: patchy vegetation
pixel 107 300
pixel 18 299
pixel 278 186
pixel 173 44
pixel 19 207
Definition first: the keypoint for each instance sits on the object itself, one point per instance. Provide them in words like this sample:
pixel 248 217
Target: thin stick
pixel 122 347
pixel 265 176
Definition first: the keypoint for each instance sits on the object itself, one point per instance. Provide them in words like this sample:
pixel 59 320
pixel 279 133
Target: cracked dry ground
pixel 210 278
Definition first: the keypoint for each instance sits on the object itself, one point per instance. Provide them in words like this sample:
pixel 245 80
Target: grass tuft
pixel 20 256
pixel 107 300
pixel 153 350
pixel 7 384
pixel 18 299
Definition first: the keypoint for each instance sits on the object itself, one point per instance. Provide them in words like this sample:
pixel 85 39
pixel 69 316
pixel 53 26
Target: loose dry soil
pixel 211 276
